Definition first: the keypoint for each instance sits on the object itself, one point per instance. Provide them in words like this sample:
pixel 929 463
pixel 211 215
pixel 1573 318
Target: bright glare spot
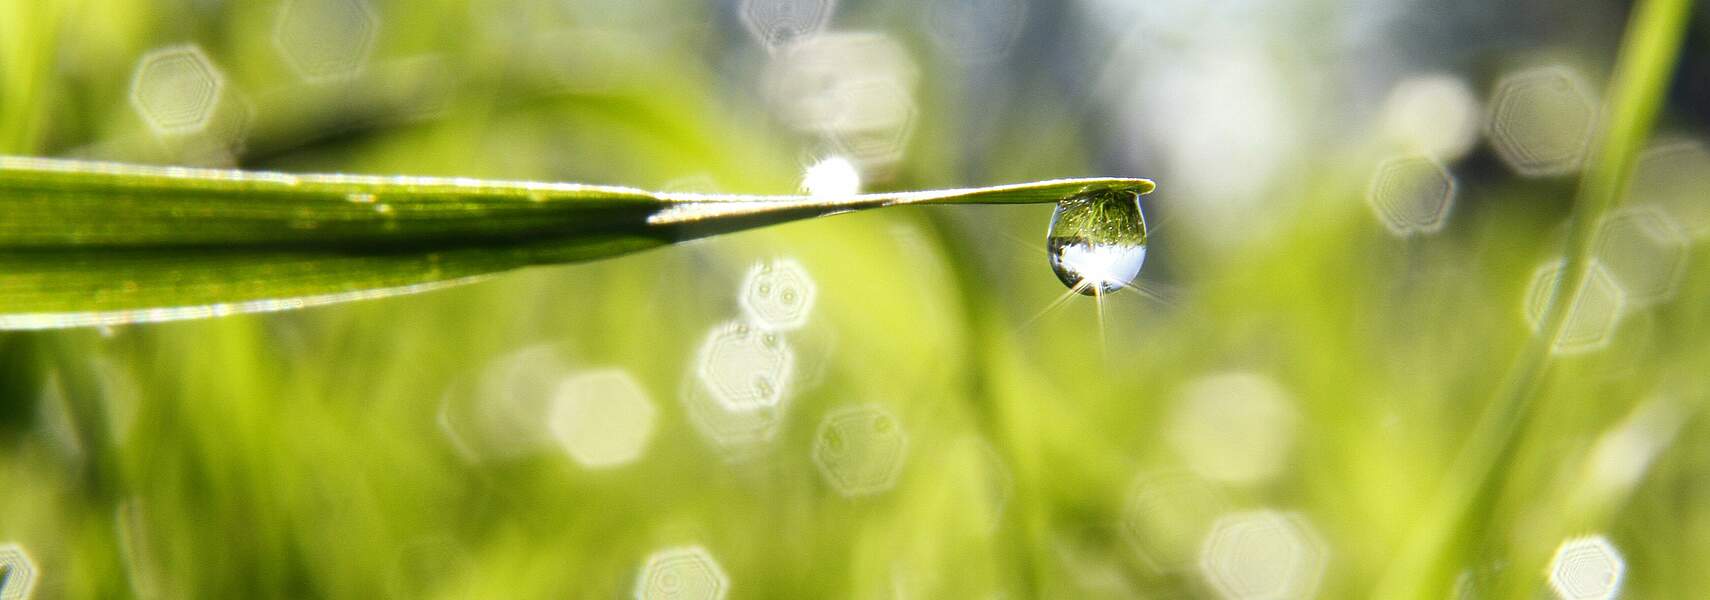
pixel 833 177
pixel 1593 315
pixel 745 367
pixel 1644 252
pixel 1411 195
pixel 1541 119
pixel 176 89
pixel 326 39
pixel 975 31
pixel 686 573
pixel 1263 554
pixel 1675 177
pixel 602 418
pixel 1434 114
pixel 1234 427
pixel 780 23
pixel 17 573
pixel 1167 515
pixel 1587 568
pixel 1105 267
pixel 860 450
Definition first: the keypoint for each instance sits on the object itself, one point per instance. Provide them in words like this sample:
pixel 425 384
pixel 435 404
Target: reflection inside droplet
pixel 1097 241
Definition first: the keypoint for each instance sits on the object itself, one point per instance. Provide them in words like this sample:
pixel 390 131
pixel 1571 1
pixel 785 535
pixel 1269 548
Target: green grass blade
pixel 100 243
pixel 1426 567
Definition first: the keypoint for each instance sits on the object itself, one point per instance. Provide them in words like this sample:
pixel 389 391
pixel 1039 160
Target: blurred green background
pixel 1359 205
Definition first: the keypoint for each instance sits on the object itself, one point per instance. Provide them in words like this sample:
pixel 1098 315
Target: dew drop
pixel 1097 241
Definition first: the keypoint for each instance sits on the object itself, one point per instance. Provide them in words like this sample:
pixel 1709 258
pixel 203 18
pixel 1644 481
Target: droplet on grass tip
pixel 1097 241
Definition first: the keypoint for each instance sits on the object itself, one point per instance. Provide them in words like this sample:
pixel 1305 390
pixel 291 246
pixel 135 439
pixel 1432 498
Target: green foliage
pixel 105 244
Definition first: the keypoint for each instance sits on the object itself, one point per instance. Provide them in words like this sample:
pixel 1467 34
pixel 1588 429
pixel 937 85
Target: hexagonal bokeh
pixel 975 31
pixel 1432 113
pixel 1588 568
pixel 17 573
pixel 686 573
pixel 1674 176
pixel 738 433
pixel 326 39
pixel 1167 515
pixel 745 367
pixel 1593 316
pixel 1541 119
pixel 176 89
pixel 602 418
pixel 780 23
pixel 1235 427
pixel 1263 554
pixel 777 295
pixel 1411 195
pixel 1644 252
pixel 860 450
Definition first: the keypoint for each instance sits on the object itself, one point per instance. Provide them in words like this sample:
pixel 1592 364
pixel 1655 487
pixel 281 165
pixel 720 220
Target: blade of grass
pixel 1461 514
pixel 87 243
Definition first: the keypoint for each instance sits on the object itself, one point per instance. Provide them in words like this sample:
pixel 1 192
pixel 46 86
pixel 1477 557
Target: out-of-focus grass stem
pixel 1460 517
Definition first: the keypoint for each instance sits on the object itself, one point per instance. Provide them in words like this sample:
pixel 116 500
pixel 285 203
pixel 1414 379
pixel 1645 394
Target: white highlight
pixel 1263 554
pixel 832 178
pixel 18 321
pixel 602 418
pixel 1587 568
pixel 1435 114
pixel 1107 267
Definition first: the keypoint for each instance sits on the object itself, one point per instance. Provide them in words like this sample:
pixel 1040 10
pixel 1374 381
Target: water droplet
pixel 1097 241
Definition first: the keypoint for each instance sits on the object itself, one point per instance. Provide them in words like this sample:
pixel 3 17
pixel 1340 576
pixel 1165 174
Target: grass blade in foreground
pixel 86 243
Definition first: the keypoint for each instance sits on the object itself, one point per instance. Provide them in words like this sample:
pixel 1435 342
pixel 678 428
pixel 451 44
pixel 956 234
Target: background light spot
pixel 686 573
pixel 1593 316
pixel 602 418
pixel 1411 195
pixel 1588 568
pixel 777 295
pixel 1263 554
pixel 860 450
pixel 1541 120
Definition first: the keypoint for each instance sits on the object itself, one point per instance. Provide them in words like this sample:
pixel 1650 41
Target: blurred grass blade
pixel 85 243
pixel 1461 518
